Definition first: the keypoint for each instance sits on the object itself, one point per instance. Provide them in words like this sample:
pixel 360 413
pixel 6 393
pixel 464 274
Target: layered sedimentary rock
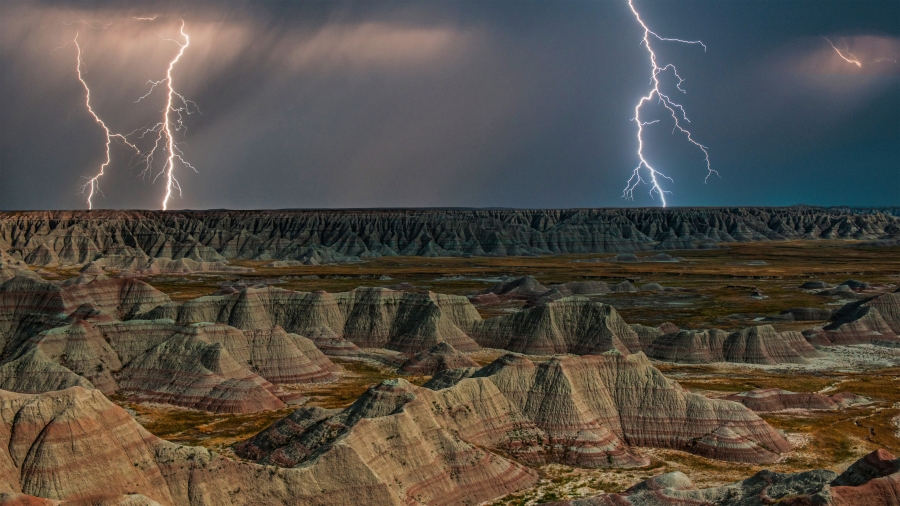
pixel 593 408
pixel 753 345
pixel 769 400
pixel 440 357
pixel 873 480
pixel 194 369
pixel 646 335
pixel 529 289
pixel 76 445
pixel 367 317
pixel 59 358
pixel 11 267
pixel 524 288
pixel 73 237
pixel 211 367
pixel 570 325
pixel 29 306
pixel 873 319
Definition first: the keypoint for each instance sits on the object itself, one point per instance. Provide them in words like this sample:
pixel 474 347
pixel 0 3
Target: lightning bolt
pixel 675 110
pixel 853 59
pixel 93 184
pixel 172 121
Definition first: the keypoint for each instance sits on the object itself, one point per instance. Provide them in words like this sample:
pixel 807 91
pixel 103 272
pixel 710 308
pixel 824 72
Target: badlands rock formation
pixel 529 289
pixel 571 325
pixel 753 345
pixel 366 317
pixel 212 367
pixel 76 445
pixel 769 400
pixel 29 306
pixel 79 237
pixel 869 320
pixel 873 480
pixel 580 326
pixel 440 357
pixel 592 409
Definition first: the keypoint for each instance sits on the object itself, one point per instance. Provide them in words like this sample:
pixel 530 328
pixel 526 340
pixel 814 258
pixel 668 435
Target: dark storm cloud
pixel 463 103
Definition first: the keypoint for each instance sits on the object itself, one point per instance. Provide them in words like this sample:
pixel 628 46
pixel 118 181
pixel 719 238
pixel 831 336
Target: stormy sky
pixel 488 103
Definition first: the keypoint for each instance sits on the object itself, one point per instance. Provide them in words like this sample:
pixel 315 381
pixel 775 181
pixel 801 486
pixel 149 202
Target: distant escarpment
pixel 127 239
pixel 585 411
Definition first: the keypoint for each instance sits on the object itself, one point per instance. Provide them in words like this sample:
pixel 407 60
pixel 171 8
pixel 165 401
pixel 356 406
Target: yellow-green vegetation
pixel 356 378
pixel 198 428
pixel 716 283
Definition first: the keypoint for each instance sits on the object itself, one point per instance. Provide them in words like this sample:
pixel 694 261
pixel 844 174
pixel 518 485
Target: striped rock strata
pixel 632 400
pixel 873 319
pixel 212 367
pixel 76 445
pixel 583 411
pixel 873 480
pixel 28 305
pixel 570 325
pixel 78 237
pixel 753 345
pixel 440 357
pixel 367 317
pixel 769 400
pixel 411 323
pixel 580 326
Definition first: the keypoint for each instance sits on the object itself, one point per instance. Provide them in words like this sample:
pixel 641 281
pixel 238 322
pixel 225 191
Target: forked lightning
pixel 172 121
pixel 172 117
pixel 93 184
pixel 675 110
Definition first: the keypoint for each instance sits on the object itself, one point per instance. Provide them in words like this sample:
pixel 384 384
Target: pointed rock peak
pixel 442 347
pixel 726 432
pixel 383 399
pixel 874 465
pixel 81 326
pixel 91 269
pixel 668 328
pixel 512 360
pixel 508 361
pixel 81 279
pixel 87 311
pixel 673 481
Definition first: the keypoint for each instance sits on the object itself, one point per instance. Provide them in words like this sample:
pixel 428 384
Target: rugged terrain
pixel 301 370
pixel 129 239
